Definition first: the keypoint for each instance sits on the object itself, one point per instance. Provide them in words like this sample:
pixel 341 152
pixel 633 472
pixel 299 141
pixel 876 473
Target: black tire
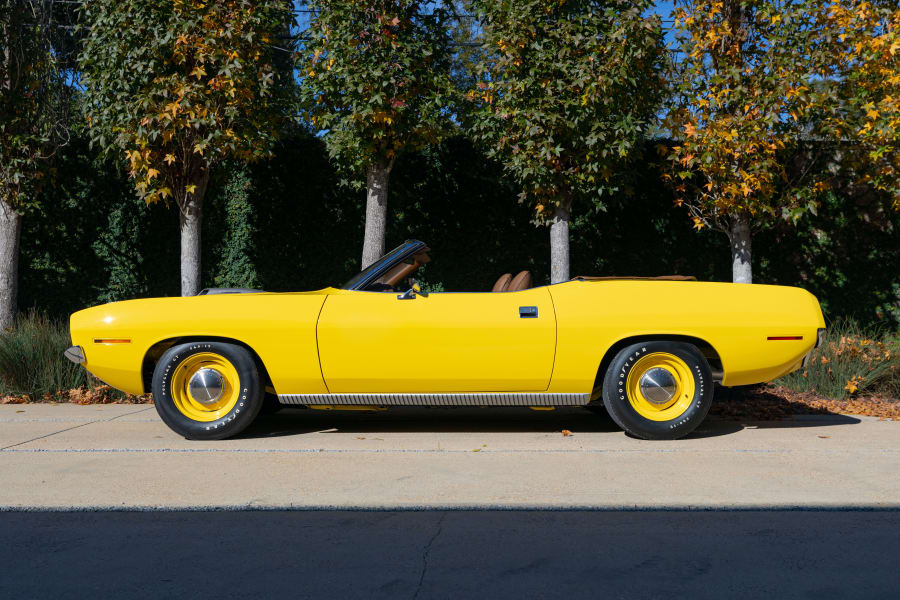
pixel 250 391
pixel 620 408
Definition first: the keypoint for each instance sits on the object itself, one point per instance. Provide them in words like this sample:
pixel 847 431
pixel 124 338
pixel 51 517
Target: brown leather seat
pixel 520 282
pixel 502 283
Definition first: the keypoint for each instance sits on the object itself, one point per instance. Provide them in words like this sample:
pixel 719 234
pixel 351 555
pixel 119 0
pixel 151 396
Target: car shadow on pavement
pixel 716 426
pixel 295 421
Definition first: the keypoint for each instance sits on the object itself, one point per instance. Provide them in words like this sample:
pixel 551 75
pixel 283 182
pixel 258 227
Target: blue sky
pixel 663 8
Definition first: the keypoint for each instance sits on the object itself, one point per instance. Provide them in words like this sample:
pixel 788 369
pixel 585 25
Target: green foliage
pixel 180 85
pixel 236 265
pixel 377 78
pixel 116 245
pixel 33 100
pixel 93 239
pixel 852 360
pixel 566 90
pixel 32 361
pixel 847 254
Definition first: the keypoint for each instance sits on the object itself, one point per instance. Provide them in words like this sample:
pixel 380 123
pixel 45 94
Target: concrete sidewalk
pixel 122 456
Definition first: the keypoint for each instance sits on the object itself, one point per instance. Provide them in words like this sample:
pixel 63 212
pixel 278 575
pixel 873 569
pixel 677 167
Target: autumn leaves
pixel 767 91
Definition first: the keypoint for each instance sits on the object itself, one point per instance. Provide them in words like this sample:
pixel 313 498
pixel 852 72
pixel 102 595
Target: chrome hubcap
pixel 206 386
pixel 658 385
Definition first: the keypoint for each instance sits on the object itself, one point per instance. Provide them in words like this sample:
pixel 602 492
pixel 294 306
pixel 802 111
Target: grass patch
pixel 33 368
pixel 31 358
pixel 851 361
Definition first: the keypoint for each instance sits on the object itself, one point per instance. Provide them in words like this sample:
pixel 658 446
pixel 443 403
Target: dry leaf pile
pixel 764 403
pixel 101 394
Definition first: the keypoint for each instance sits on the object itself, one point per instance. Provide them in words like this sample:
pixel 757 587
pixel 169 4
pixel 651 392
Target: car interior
pixel 401 263
pixel 407 268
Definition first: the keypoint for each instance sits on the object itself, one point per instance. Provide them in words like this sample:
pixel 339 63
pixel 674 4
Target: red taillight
pixel 784 337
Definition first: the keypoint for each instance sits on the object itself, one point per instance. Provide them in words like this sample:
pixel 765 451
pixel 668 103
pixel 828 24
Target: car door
pixel 371 342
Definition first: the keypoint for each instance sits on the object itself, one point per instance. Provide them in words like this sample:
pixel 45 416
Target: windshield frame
pixel 381 266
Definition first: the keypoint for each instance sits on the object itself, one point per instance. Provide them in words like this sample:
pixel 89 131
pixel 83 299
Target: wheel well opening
pixel 709 353
pixel 152 356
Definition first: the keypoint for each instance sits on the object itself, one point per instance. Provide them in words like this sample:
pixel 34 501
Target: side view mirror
pixel 412 291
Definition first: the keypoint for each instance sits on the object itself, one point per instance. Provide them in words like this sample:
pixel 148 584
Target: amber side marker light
pixel 784 337
pixel 112 341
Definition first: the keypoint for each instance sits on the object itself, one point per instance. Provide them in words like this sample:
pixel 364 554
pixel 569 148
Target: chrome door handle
pixel 528 312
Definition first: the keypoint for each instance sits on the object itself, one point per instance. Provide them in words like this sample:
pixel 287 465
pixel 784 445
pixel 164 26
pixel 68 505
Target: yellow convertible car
pixel 649 349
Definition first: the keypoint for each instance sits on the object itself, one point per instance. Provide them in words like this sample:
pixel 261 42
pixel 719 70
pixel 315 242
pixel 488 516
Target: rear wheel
pixel 207 390
pixel 658 390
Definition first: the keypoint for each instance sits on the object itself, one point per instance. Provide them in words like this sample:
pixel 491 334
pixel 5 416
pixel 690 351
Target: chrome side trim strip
pixel 462 399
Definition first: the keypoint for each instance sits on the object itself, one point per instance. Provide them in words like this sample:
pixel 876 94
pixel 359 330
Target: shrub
pixel 32 361
pixel 850 361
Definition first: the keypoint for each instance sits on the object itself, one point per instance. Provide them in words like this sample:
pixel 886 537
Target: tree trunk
pixel 10 233
pixel 376 211
pixel 741 267
pixel 559 242
pixel 191 219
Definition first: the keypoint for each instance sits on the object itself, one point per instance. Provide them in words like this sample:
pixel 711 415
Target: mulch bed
pixel 102 394
pixel 755 403
pixel 771 403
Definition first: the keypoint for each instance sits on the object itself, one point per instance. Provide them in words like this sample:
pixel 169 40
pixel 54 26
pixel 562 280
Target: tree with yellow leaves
pixel 177 86
pixel 747 94
pixel 866 63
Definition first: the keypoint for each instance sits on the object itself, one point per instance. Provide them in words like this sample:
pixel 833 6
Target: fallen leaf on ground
pixel 824 437
pixel 566 433
pixel 14 400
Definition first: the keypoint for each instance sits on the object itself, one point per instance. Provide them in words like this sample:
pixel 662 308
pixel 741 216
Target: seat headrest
pixel 502 283
pixel 520 282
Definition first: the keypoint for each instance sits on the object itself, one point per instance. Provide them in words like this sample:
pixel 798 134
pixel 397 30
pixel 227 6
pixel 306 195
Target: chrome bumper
pixel 820 339
pixel 75 354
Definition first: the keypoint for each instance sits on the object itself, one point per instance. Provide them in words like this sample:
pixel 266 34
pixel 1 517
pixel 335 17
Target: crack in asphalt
pixel 40 437
pixel 440 527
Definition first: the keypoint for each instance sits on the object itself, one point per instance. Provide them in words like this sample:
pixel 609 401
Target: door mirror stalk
pixel 412 291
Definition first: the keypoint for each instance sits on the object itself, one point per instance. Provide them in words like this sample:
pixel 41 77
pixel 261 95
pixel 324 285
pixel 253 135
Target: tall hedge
pixel 97 241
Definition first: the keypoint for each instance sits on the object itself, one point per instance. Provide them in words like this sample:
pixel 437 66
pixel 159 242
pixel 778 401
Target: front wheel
pixel 207 390
pixel 658 390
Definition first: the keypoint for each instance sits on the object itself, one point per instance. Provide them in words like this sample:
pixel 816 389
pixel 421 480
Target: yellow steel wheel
pixel 205 387
pixel 660 386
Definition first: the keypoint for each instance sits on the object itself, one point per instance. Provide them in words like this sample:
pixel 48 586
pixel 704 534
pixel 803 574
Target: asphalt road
pixel 440 554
